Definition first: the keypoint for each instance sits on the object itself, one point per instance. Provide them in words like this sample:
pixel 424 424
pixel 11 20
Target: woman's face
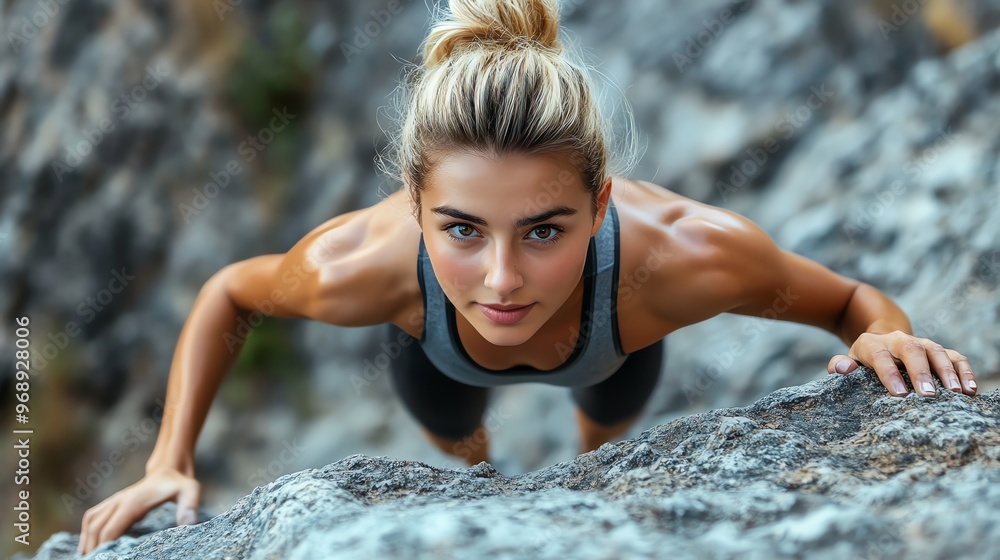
pixel 508 231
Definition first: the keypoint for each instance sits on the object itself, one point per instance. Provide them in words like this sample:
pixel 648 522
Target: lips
pixel 503 307
pixel 508 316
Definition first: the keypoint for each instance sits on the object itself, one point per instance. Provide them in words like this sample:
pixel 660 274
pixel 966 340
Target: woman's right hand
pixel 110 519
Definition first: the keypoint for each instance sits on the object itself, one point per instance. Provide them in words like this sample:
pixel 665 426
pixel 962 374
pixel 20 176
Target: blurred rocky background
pixel 144 145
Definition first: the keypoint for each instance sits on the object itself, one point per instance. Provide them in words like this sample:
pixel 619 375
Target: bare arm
pixel 337 274
pixel 314 280
pixel 757 278
pixel 207 348
pixel 211 339
pixel 201 359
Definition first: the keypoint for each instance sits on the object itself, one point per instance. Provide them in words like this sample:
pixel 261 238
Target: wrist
pixel 178 461
pixel 883 326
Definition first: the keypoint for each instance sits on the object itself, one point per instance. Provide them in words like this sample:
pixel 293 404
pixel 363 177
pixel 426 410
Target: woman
pixel 512 254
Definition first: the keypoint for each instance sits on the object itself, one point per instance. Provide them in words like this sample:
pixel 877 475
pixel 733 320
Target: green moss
pixel 268 365
pixel 267 352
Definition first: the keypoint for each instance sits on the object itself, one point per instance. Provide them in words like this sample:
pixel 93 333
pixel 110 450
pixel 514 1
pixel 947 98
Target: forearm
pixel 869 310
pixel 206 349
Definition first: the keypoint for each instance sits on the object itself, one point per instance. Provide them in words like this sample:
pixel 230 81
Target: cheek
pixel 557 274
pixel 455 275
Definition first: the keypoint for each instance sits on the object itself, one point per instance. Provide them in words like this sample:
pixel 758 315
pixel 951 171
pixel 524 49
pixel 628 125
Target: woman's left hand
pixel 920 356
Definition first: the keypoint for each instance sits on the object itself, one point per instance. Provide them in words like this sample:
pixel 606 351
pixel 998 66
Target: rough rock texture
pixel 834 468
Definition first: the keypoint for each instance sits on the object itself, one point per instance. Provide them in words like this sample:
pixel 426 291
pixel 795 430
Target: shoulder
pixel 691 231
pixel 698 260
pixel 356 269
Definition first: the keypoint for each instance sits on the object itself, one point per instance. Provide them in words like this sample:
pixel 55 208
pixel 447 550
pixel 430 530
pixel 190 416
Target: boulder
pixel 835 468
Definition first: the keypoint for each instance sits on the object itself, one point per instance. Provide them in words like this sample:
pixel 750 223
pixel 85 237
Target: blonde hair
pixel 496 79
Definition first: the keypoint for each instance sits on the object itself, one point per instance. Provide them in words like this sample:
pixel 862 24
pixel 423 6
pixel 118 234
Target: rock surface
pixel 834 469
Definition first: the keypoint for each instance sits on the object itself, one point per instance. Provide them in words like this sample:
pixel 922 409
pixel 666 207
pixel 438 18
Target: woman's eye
pixel 546 229
pixel 464 231
pixel 545 234
pixel 553 233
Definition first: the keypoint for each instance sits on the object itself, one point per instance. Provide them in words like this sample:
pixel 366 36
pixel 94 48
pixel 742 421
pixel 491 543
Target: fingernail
pixel 972 384
pixel 927 387
pixel 842 366
pixel 898 387
pixel 189 517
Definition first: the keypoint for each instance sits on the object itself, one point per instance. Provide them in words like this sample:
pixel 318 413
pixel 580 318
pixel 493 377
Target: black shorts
pixel 453 410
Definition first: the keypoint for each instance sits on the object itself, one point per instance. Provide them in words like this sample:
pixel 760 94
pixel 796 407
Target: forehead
pixel 507 173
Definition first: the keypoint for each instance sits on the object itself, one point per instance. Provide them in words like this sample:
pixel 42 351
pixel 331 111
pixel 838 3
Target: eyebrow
pixel 519 223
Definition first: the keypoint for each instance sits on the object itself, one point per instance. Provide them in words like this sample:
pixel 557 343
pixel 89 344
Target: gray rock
pixel 834 469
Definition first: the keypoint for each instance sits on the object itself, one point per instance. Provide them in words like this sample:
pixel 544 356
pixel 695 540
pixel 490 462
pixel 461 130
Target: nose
pixel 502 276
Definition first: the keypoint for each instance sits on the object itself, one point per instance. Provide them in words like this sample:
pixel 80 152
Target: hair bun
pixel 503 23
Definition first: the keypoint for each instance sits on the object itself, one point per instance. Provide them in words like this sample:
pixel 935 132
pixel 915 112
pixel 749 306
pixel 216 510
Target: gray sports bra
pixel 598 352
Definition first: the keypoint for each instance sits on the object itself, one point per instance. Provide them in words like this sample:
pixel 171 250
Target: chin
pixel 506 338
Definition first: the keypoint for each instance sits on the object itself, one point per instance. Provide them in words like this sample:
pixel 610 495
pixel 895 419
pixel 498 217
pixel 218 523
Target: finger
pixel 968 378
pixel 118 523
pixel 85 524
pixel 84 528
pixel 885 367
pixel 119 503
pixel 942 364
pixel 835 365
pixel 914 356
pixel 96 525
pixel 187 503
